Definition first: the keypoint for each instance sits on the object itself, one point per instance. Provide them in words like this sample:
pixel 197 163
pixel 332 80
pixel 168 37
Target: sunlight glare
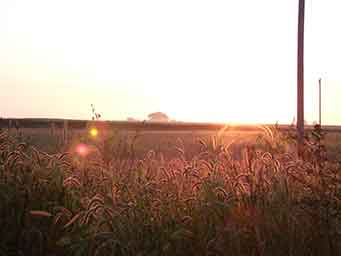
pixel 93 132
pixel 82 150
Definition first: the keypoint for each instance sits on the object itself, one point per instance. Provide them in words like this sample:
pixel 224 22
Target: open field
pixel 168 193
pixel 162 141
pixel 142 125
pixel 50 133
pixel 198 167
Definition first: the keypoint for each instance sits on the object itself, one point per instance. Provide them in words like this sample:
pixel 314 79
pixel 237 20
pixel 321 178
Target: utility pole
pixel 320 104
pixel 300 77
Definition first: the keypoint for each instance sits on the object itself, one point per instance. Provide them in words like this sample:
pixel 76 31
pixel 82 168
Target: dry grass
pixel 211 197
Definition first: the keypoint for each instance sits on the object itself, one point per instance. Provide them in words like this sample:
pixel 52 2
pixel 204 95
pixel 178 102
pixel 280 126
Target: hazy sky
pixel 226 61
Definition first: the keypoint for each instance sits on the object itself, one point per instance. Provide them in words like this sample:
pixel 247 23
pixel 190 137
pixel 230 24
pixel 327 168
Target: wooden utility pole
pixel 320 102
pixel 300 76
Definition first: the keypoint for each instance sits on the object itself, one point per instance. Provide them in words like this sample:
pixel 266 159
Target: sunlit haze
pixel 205 61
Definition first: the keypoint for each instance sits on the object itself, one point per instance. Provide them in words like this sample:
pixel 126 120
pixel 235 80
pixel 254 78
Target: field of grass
pixel 160 141
pixel 169 194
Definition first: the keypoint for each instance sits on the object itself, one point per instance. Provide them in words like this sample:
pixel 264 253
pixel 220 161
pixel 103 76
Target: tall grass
pixel 266 202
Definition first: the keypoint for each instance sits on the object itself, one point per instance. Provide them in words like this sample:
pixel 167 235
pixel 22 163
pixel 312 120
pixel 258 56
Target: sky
pixel 195 60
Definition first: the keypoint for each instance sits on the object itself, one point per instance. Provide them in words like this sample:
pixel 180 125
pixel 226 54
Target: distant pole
pixel 52 128
pixel 320 104
pixel 300 76
pixel 9 126
pixel 65 132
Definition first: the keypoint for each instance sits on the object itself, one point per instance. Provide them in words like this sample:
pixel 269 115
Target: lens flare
pixel 82 149
pixel 94 132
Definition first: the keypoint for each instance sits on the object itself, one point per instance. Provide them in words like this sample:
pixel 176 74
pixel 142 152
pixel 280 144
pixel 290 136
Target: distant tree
pixel 158 117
